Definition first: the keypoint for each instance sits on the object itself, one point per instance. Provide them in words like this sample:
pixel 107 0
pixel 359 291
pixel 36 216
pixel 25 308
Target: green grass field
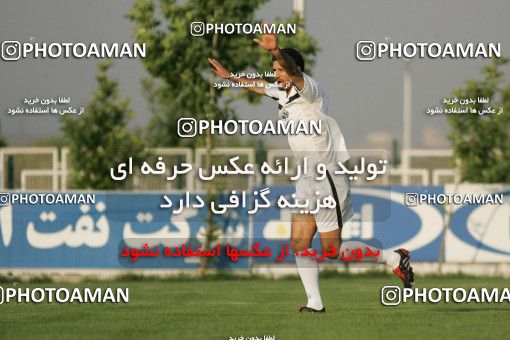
pixel 219 309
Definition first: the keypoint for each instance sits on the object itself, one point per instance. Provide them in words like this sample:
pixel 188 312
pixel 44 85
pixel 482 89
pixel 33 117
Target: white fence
pixel 439 166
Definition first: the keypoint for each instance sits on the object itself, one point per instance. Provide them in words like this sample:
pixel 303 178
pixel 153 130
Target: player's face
pixel 282 79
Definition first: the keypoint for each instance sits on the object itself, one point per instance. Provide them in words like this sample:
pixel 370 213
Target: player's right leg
pixel 404 269
pixel 303 229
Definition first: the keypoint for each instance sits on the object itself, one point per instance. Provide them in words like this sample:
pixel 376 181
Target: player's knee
pixel 332 253
pixel 298 245
pixel 331 249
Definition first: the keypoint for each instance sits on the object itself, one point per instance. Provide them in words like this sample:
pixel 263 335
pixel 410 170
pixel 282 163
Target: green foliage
pixel 481 142
pixel 100 139
pixel 177 62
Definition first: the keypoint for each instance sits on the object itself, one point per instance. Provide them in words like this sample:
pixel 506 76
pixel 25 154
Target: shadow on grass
pixel 219 275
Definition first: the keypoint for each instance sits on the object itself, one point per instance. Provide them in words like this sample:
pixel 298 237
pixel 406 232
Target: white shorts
pixel 339 187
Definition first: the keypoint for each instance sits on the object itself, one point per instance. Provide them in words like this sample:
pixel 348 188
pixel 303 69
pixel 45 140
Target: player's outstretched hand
pixel 268 41
pixel 218 69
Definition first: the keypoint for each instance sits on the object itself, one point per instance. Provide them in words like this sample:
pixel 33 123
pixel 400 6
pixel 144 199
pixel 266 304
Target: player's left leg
pixel 397 261
pixel 330 222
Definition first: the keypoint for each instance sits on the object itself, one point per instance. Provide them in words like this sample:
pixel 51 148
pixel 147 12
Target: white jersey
pixel 310 104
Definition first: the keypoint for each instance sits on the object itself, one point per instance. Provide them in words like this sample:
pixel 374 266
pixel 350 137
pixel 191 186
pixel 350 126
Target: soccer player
pixel 301 98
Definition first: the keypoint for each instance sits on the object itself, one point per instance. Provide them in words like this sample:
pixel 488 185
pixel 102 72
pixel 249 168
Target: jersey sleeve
pixel 271 91
pixel 311 90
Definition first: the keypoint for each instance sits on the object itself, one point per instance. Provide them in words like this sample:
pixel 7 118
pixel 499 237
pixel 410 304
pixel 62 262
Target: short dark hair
pixel 295 55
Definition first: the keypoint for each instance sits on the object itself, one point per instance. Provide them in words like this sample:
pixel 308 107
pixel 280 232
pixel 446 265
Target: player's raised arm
pixel 269 42
pixel 252 85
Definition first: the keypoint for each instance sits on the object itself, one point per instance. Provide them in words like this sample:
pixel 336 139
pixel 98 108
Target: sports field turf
pixel 219 309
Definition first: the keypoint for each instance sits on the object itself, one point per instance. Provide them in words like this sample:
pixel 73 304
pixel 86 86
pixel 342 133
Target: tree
pixel 481 143
pixel 99 139
pixel 3 142
pixel 183 85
